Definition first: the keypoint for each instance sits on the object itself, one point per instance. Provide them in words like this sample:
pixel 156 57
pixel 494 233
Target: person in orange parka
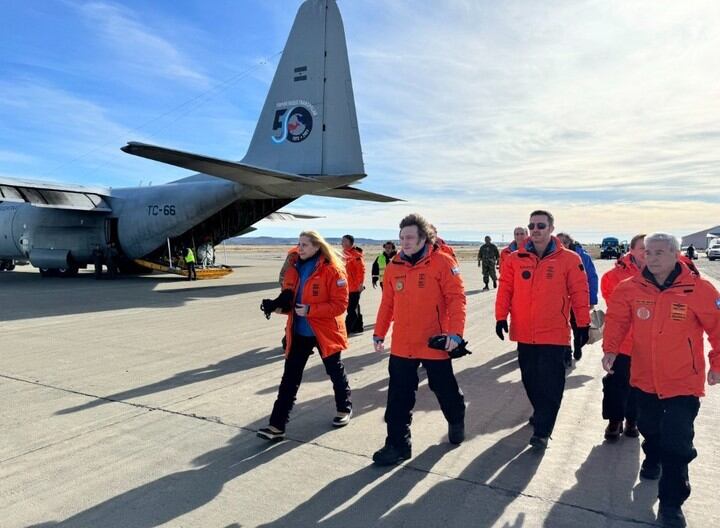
pixel 538 286
pixel 314 296
pixel 668 308
pixel 619 401
pixel 355 268
pixel 290 260
pixel 423 297
pixel 520 236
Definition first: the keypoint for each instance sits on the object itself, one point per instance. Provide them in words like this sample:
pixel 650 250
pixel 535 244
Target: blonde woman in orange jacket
pixel 314 297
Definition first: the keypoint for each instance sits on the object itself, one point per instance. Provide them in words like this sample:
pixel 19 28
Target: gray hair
pixel 669 239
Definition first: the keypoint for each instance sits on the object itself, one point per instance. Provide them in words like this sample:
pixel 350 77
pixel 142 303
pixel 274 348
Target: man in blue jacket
pixel 592 277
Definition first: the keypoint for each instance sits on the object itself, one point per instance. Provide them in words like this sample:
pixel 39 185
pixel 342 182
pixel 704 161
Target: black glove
pixel 439 342
pixel 284 302
pixel 583 335
pixel 501 326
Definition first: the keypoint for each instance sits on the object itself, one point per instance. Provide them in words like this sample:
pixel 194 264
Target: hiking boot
pixel 531 420
pixel 577 354
pixel 631 429
pixel 494 284
pixel 342 419
pixel 271 433
pixel 456 433
pixel 539 443
pixel 390 455
pixel 613 430
pixel 671 516
pixel 486 288
pixel 650 470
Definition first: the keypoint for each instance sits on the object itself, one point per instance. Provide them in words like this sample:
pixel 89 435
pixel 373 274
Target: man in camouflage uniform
pixel 488 257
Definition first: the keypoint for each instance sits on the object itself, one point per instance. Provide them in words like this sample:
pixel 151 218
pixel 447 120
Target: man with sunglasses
pixel 539 284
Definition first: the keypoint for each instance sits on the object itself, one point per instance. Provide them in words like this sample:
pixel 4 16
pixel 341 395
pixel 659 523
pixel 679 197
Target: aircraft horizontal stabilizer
pixel 233 171
pixel 352 193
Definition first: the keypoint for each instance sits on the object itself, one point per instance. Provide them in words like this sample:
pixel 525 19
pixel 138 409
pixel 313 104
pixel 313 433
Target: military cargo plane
pixel 306 142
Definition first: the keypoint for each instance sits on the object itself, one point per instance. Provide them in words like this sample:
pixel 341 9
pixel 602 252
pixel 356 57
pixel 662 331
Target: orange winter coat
pixel 625 268
pixel 505 253
pixel 538 294
pixel 421 301
pixel 667 329
pixel 355 269
pixel 326 293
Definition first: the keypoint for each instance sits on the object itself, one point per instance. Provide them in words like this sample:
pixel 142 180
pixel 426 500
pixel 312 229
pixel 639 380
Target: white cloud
pixel 142 47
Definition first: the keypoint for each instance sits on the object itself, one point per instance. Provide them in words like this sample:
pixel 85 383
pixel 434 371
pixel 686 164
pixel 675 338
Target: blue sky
pixel 607 113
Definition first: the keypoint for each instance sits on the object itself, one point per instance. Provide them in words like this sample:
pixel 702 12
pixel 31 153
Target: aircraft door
pixel 8 246
pixel 111 231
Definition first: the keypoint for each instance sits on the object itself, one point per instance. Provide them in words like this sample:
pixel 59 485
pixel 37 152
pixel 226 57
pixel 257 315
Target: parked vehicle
pixel 610 248
pixel 713 252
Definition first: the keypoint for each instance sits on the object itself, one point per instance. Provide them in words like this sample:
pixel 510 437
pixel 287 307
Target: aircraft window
pixel 32 195
pixel 95 199
pixel 10 193
pixel 70 199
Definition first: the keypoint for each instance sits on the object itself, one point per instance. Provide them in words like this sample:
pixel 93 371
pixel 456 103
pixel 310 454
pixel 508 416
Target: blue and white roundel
pixel 294 126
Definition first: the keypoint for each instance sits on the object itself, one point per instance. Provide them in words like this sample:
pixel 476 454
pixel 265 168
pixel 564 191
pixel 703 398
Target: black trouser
pixel 401 395
pixel 191 271
pixel 543 374
pixel 302 347
pixel 353 320
pixel 577 347
pixel 619 398
pixel 98 268
pixel 668 432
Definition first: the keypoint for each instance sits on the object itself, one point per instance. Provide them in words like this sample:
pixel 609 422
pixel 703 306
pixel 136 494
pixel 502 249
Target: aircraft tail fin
pixel 308 124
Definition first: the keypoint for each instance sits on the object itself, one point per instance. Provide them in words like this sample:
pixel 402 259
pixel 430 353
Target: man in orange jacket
pixel 538 286
pixel 619 400
pixel 423 297
pixel 355 269
pixel 520 236
pixel 667 307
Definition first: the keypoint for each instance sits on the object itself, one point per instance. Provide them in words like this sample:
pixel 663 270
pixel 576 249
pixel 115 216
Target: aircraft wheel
pixel 67 272
pixel 10 267
pixel 2 265
pixel 48 272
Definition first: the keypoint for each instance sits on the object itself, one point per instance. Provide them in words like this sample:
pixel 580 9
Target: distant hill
pixel 278 241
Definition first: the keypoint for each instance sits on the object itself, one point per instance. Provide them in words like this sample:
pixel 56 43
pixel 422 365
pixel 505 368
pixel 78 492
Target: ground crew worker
pixel 190 263
pixel 98 258
pixel 111 256
pixel 520 235
pixel 315 297
pixel 619 401
pixel 378 267
pixel 668 308
pixel 539 285
pixel 355 269
pixel 424 298
pixel 690 252
pixel 488 257
pixel 592 278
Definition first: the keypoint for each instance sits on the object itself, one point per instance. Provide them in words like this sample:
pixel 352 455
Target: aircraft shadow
pixel 31 298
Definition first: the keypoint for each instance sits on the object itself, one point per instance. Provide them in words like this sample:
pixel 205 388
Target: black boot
pixel 390 455
pixel 671 516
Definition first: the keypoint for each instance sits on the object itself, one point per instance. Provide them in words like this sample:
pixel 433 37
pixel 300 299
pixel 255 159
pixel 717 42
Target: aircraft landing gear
pixel 7 265
pixel 59 272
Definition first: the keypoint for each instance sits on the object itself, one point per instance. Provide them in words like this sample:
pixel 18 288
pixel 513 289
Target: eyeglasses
pixel 539 225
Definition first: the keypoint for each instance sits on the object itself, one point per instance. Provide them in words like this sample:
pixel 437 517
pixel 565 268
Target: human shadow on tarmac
pixel 171 496
pixel 247 360
pixel 606 489
pixel 473 498
pixel 46 298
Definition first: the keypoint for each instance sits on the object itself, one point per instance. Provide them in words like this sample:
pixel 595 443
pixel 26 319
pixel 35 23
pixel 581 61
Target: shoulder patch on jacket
pixel 717 303
pixel 455 270
pixel 341 283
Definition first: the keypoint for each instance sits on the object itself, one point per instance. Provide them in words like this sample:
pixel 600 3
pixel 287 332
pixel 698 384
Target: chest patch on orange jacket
pixel 399 285
pixel 643 313
pixel 678 311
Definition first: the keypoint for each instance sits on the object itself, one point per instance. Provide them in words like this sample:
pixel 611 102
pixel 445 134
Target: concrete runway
pixel 135 403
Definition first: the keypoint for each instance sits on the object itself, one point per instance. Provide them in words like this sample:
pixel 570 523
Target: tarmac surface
pixel 135 403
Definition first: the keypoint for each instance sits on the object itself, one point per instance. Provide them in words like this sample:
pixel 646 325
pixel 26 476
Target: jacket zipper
pixel 692 356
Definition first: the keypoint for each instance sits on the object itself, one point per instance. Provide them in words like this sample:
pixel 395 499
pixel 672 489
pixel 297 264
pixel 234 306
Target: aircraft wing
pixel 234 171
pixel 353 193
pixel 53 195
pixel 287 215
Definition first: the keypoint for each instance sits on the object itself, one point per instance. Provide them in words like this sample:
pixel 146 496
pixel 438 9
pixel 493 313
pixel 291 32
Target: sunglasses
pixel 539 225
